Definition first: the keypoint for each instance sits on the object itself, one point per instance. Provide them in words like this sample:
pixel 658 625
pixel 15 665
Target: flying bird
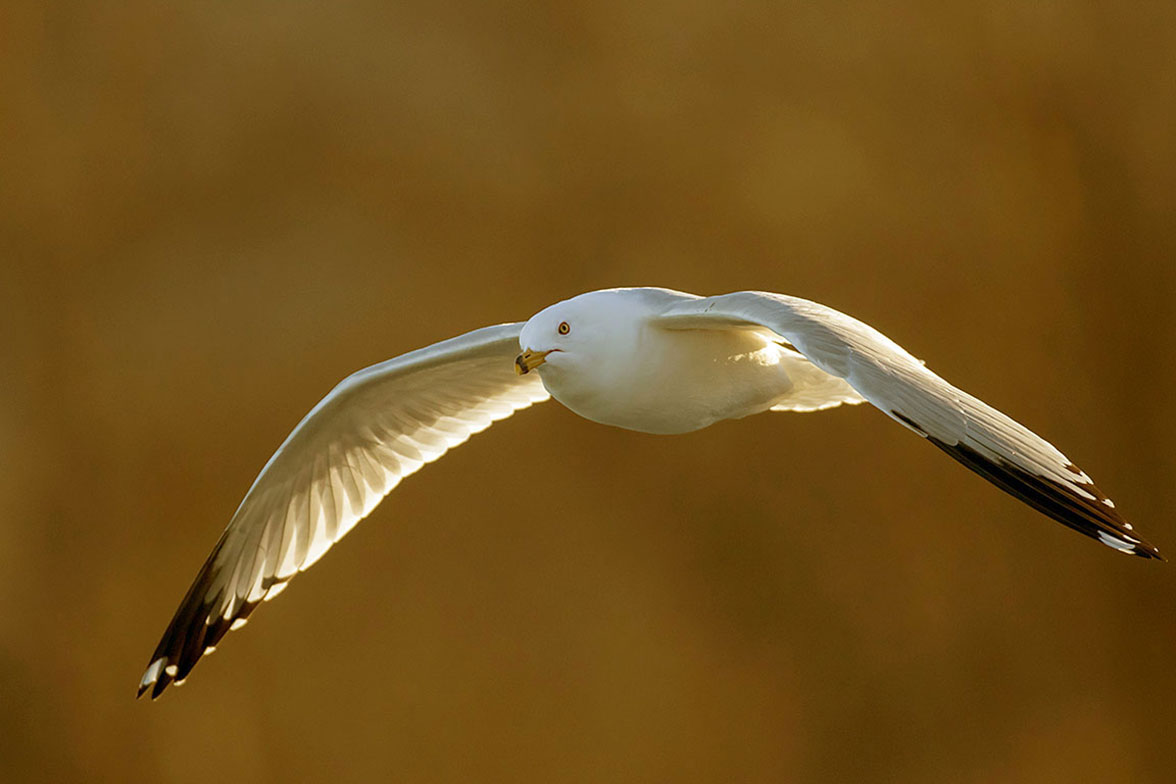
pixel 646 359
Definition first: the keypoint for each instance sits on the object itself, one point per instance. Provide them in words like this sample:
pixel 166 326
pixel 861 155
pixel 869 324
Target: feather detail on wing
pixel 1006 453
pixel 376 427
pixel 812 388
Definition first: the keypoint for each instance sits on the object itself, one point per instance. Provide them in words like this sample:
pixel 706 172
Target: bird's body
pixel 657 380
pixel 647 359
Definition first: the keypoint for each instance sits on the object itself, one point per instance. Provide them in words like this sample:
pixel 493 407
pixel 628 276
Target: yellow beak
pixel 529 360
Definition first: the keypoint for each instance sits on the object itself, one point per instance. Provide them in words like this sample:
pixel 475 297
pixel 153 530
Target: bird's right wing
pixel 376 427
pixel 1001 450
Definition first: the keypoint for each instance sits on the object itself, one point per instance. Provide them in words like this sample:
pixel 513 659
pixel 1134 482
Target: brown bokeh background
pixel 210 213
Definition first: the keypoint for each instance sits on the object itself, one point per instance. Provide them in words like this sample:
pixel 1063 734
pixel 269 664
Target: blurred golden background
pixel 210 213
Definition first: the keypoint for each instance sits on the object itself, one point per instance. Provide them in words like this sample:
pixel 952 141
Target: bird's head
pixel 584 336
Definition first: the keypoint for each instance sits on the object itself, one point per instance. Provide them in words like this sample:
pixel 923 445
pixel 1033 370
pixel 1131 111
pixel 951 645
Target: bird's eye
pixel 563 328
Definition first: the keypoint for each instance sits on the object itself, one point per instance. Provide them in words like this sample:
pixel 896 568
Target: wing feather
pixel 376 427
pixel 1001 450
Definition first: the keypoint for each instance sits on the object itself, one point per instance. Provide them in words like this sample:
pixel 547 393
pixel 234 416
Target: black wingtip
pixel 1082 507
pixel 1145 550
pixel 155 679
pixel 160 685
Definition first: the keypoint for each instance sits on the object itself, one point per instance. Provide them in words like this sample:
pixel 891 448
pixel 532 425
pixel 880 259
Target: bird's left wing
pixel 376 427
pixel 1002 451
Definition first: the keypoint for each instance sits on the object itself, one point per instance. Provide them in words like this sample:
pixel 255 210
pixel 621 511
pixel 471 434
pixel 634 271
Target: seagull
pixel 647 359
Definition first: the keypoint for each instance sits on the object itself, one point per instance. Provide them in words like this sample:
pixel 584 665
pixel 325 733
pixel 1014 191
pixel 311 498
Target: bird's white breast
pixel 673 381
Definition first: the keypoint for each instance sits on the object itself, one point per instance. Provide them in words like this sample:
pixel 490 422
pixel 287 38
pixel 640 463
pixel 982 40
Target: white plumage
pixel 645 359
